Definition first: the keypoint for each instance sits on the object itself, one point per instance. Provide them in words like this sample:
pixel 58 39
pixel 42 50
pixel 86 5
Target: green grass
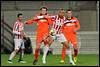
pixel 52 60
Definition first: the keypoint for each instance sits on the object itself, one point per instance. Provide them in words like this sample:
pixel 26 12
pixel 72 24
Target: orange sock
pixel 63 53
pixel 36 54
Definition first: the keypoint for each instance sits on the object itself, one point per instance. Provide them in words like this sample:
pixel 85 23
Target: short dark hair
pixel 69 9
pixel 19 14
pixel 61 9
pixel 43 8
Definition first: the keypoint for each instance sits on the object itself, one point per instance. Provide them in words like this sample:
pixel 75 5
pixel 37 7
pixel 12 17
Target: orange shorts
pixel 40 37
pixel 71 37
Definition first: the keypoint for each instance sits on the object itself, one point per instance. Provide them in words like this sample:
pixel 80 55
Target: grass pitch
pixel 52 60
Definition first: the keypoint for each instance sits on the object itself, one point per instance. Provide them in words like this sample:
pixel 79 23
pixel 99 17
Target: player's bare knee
pixel 64 46
pixel 16 50
pixel 75 46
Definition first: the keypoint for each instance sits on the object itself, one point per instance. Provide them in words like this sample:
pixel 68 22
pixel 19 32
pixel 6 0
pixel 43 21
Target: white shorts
pixel 19 43
pixel 60 37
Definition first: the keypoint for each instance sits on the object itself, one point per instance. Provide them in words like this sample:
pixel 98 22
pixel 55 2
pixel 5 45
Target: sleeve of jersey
pixel 77 24
pixel 15 29
pixel 30 22
pixel 51 20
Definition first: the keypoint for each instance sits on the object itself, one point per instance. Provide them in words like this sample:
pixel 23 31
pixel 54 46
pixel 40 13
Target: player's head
pixel 43 10
pixel 69 13
pixel 19 16
pixel 61 12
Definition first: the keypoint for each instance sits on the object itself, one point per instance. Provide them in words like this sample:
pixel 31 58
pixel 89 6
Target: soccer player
pixel 70 29
pixel 43 22
pixel 58 33
pixel 18 39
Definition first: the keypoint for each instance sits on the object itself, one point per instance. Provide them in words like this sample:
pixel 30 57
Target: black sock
pixel 20 57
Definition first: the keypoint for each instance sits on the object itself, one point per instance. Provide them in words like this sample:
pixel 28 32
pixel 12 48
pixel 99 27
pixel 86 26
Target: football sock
pixel 36 54
pixel 12 55
pixel 75 52
pixel 21 54
pixel 69 54
pixel 63 53
pixel 46 48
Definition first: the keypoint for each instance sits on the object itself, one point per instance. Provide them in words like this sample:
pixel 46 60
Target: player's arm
pixel 77 25
pixel 34 19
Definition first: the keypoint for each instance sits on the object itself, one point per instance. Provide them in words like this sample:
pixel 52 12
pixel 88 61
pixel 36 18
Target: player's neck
pixel 69 17
pixel 19 20
pixel 60 16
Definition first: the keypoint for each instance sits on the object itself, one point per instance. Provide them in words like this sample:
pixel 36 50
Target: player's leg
pixel 69 52
pixel 65 43
pixel 38 43
pixel 61 38
pixel 64 50
pixel 75 43
pixel 22 52
pixel 47 43
pixel 45 51
pixel 63 55
pixel 17 43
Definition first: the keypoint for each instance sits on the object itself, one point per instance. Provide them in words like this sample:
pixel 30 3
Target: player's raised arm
pixel 30 21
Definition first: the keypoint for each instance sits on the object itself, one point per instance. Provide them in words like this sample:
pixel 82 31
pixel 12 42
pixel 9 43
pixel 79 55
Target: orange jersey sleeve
pixel 30 21
pixel 77 24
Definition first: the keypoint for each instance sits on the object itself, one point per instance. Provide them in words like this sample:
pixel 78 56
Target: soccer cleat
pixel 62 61
pixel 72 62
pixel 9 61
pixel 43 61
pixel 75 59
pixel 35 62
pixel 21 61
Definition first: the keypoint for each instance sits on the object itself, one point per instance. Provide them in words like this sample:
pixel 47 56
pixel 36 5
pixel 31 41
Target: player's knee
pixel 75 46
pixel 16 50
pixel 65 44
pixel 64 47
pixel 37 47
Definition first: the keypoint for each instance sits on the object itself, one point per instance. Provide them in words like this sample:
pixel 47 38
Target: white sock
pixel 46 48
pixel 12 55
pixel 22 53
pixel 69 53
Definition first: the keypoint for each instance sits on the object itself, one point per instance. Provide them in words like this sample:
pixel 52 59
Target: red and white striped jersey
pixel 18 28
pixel 58 22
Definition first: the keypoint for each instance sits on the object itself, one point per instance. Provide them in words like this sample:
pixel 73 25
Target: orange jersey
pixel 69 27
pixel 71 24
pixel 43 23
pixel 43 26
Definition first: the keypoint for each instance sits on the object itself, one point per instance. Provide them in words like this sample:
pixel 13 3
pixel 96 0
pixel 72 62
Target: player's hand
pixel 25 22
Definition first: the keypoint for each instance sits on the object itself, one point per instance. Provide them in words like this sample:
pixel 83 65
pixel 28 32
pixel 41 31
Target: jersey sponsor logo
pixel 69 21
pixel 70 24
pixel 43 20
